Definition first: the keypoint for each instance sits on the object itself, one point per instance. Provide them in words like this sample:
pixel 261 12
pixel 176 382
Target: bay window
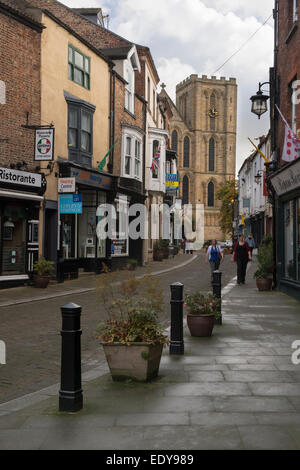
pixel 80 132
pixel 132 155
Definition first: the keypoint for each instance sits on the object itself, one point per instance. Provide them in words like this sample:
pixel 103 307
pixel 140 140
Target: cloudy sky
pixel 198 36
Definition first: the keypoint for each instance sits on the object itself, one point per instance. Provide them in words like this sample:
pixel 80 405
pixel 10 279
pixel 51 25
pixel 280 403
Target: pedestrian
pixel 241 255
pixel 214 256
pixel 251 242
pixel 183 245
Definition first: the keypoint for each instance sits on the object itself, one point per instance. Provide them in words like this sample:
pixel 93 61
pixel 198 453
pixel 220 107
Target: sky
pixel 198 36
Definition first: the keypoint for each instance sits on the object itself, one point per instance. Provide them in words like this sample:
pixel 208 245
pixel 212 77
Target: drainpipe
pixel 112 118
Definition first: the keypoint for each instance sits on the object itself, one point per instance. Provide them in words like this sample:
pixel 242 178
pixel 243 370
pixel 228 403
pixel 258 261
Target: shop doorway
pixel 13 239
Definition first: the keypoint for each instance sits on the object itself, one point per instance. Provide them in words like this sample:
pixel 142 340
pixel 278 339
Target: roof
pixel 24 10
pixel 145 50
pixel 117 52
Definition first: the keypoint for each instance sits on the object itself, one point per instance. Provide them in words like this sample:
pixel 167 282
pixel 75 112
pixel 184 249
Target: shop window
pixel 68 222
pixel 155 159
pixel 80 134
pixel 120 239
pixel 79 67
pixel 289 240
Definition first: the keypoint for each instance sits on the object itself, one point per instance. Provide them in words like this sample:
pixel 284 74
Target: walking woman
pixel 241 255
pixel 214 256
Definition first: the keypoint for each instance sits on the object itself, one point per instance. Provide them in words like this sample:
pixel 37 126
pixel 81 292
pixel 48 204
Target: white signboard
pixel 22 178
pixel 66 185
pixel 44 143
pixel 287 180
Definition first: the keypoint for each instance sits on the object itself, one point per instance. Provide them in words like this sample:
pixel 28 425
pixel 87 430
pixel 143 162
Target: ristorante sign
pixel 20 178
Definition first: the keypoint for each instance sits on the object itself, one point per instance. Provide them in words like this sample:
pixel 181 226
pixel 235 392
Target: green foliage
pixel 145 355
pixel 43 267
pixel 227 195
pixel 132 262
pixel 199 304
pixel 265 259
pixel 133 307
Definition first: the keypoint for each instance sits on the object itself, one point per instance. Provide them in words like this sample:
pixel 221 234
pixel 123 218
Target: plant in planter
pixel 164 246
pixel 43 270
pixel 202 310
pixel 264 272
pixel 132 336
pixel 157 252
pixel 131 264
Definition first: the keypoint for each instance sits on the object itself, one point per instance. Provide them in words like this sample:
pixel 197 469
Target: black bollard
pixel 217 291
pixel 177 343
pixel 70 394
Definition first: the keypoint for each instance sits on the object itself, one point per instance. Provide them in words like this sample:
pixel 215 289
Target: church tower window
pixel 186 152
pixel 174 141
pixel 211 194
pixel 185 190
pixel 211 155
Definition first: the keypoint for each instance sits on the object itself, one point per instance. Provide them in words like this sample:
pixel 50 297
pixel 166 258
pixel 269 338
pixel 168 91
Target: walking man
pixel 241 255
pixel 251 242
pixel 214 256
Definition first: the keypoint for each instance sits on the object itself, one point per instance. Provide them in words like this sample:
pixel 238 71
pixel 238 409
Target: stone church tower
pixel 203 132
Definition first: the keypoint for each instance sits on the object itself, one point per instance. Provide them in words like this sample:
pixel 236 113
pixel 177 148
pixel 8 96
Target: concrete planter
pixel 138 362
pixel 264 284
pixel 201 326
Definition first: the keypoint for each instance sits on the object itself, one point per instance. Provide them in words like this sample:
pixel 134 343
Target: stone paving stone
pixel 153 419
pixel 179 404
pixel 190 360
pixel 230 360
pixel 281 419
pixel 205 376
pixel 275 389
pixel 253 367
pixel 222 419
pixel 21 439
pixel 287 367
pixel 209 389
pixel 253 404
pixel 256 376
pixel 194 438
pixel 267 438
pixel 206 367
pixel 295 402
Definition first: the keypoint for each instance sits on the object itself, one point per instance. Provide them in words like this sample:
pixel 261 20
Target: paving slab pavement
pixel 236 390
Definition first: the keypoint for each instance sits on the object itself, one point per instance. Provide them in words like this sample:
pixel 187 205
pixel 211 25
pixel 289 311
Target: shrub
pixel 265 258
pixel 200 304
pixel 43 267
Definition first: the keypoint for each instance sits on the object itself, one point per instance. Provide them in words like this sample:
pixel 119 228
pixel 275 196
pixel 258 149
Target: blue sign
pixel 172 181
pixel 70 203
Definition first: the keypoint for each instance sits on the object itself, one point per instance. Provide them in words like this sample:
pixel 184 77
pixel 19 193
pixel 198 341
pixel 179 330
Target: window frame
pixel 210 185
pixel 186 152
pixel 78 154
pixel 211 154
pixel 174 132
pixel 134 138
pixel 86 74
pixel 157 171
pixel 129 86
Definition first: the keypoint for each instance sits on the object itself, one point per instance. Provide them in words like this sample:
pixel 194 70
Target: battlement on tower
pixel 205 79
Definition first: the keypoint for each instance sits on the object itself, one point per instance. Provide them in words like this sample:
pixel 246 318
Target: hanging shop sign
pixel 287 179
pixel 44 143
pixel 66 185
pixel 172 181
pixel 70 203
pixel 89 178
pixel 20 178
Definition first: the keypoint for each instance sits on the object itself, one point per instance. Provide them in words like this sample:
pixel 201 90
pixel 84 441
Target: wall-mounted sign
pixel 70 203
pixel 66 185
pixel 44 143
pixel 287 180
pixel 172 181
pixel 91 179
pixel 21 178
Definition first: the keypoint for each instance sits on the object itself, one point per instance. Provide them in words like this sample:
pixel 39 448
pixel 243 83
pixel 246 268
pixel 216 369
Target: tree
pixel 227 194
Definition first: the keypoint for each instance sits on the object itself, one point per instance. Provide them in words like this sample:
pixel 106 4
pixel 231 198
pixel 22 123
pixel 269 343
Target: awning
pixel 20 195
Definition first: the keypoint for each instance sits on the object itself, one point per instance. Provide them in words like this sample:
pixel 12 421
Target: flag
pixel 291 148
pixel 155 161
pixel 259 151
pixel 103 161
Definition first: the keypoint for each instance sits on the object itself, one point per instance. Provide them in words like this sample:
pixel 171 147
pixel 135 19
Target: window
pixel 80 133
pixel 155 159
pixel 293 87
pixel 186 152
pixel 211 155
pixel 185 190
pixel 174 141
pixel 211 194
pixel 79 67
pixel 132 153
pixel 153 110
pixel 129 89
pixel 289 240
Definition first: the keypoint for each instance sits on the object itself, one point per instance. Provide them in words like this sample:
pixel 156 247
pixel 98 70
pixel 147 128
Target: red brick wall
pixel 121 116
pixel 288 64
pixel 20 70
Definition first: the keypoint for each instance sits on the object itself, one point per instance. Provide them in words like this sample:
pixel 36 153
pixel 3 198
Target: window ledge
pixel 291 32
pixel 130 113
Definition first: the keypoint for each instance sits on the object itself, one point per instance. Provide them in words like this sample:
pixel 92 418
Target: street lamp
pixel 259 101
pixel 258 176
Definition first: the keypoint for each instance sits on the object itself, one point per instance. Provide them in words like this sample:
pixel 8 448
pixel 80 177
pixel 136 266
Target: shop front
pixel 21 194
pixel 79 247
pixel 286 183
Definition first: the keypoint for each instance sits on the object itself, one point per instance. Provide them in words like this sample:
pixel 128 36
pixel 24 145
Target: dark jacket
pixel 235 249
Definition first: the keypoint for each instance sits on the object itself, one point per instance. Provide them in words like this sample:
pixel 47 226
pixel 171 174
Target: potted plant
pixel 131 264
pixel 202 310
pixel 132 336
pixel 265 269
pixel 43 269
pixel 157 252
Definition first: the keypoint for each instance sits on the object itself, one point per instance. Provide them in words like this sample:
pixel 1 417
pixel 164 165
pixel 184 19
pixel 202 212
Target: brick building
pixel 21 186
pixel 285 177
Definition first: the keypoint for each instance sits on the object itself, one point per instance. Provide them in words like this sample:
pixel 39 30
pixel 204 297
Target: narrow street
pixel 31 330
